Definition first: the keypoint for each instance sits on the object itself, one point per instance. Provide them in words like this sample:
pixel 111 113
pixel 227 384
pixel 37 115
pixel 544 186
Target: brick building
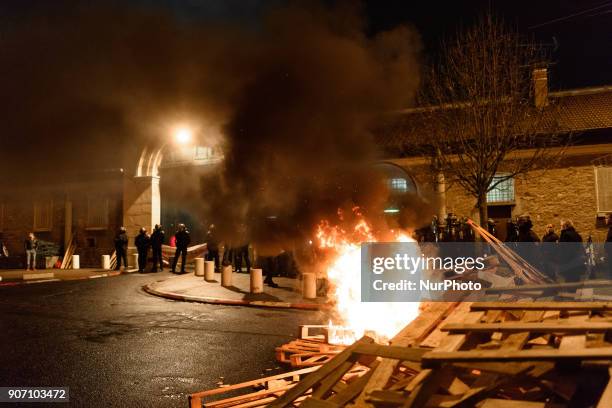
pixel 579 188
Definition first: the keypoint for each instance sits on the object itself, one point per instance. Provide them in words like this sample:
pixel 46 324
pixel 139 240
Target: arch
pixel 396 175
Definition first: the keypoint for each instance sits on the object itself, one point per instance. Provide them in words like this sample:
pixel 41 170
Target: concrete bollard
pixel 134 258
pixel 199 267
pixel 256 281
pixel 226 275
pixel 209 271
pixel 309 286
pixel 106 262
pixel 76 262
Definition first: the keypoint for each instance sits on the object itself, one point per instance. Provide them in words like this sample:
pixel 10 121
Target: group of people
pixel 563 255
pixel 155 240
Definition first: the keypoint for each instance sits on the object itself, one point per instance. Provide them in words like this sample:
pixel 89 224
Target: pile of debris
pixel 493 354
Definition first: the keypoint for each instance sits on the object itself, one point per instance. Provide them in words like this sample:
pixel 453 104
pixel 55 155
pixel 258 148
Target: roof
pixel 575 110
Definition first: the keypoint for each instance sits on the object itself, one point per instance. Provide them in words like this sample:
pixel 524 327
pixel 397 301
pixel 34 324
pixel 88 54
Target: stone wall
pixel 549 197
pixel 91 243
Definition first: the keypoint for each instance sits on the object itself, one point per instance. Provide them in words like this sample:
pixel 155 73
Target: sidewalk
pixel 20 276
pixel 193 288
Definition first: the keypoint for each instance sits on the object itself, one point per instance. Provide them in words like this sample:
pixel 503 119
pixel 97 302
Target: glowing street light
pixel 183 135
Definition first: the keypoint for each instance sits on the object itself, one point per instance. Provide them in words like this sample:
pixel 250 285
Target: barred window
pixel 43 215
pixel 502 192
pixel 97 212
pixel 398 184
pixel 603 188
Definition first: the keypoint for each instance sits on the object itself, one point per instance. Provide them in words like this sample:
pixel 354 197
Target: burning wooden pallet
pixel 489 355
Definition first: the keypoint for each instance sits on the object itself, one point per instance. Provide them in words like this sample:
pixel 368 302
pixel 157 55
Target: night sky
pixel 578 33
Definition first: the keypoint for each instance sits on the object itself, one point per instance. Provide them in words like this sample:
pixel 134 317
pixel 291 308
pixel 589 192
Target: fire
pixel 383 320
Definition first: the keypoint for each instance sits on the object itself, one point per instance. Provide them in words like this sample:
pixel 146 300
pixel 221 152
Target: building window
pixel 503 192
pixel 43 215
pixel 603 186
pixel 202 153
pixel 399 185
pixel 97 213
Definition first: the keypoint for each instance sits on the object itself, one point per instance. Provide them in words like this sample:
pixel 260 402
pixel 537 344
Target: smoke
pixel 291 100
pixel 298 142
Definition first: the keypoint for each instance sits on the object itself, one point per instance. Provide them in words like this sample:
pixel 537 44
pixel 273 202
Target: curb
pixel 230 302
pixel 96 276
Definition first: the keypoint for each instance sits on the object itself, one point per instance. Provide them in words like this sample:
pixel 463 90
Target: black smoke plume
pixel 291 98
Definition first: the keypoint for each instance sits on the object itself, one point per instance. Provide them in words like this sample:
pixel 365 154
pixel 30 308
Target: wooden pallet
pixel 304 353
pixel 542 354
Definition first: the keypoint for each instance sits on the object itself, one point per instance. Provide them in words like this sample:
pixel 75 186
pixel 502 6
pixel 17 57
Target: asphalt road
pixel 115 345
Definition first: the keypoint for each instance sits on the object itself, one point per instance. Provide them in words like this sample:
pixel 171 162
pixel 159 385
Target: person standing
pixel 31 245
pixel 157 240
pixel 241 252
pixel 571 265
pixel 212 244
pixel 182 243
pixel 121 244
pixel 142 242
pixel 549 251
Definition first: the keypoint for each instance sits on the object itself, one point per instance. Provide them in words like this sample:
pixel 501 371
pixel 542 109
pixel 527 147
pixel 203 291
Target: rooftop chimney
pixel 540 87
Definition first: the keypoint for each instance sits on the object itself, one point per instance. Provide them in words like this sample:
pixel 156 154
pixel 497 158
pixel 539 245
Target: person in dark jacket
pixel 511 231
pixel 183 240
pixel 142 241
pixel 550 251
pixel 121 244
pixel 157 240
pixel 608 245
pixel 571 251
pixel 525 232
pixel 528 246
pixel 31 245
pixel 212 245
pixel 241 253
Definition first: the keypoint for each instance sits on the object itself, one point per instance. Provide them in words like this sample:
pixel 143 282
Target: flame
pixel 383 320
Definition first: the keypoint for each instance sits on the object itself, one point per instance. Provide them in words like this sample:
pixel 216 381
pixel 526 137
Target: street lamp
pixel 183 135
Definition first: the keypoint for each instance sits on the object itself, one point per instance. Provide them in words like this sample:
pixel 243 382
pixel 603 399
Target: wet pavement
pixel 115 345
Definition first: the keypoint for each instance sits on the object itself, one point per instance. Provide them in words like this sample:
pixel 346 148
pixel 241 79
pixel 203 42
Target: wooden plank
pixel 502 403
pixel 328 383
pixel 353 389
pixel 416 331
pixel 546 306
pixel 317 403
pixel 314 378
pixel 539 327
pixel 606 397
pixel 291 374
pixel 431 380
pixel 393 352
pixel 434 358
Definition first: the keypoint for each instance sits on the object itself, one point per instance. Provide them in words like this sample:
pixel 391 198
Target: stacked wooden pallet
pixel 309 349
pixel 494 354
pixel 306 353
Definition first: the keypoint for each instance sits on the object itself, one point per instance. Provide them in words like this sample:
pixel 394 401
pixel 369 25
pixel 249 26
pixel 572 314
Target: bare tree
pixel 478 121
